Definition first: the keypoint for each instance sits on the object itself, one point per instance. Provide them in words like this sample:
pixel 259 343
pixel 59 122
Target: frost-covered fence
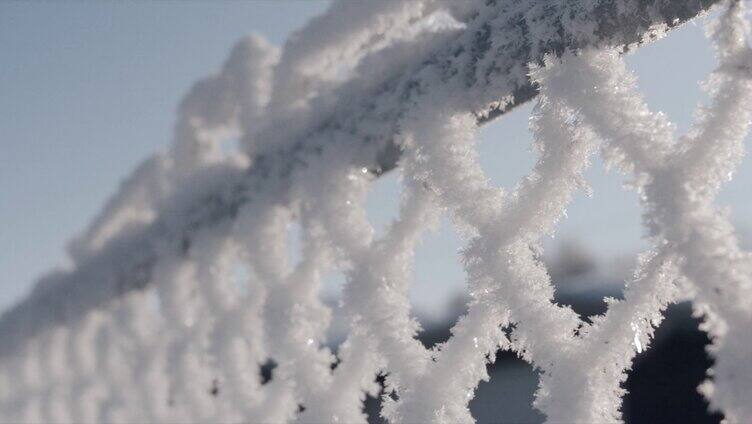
pixel 182 286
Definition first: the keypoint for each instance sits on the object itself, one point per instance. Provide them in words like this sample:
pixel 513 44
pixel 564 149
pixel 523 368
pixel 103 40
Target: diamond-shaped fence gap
pixel 438 294
pixel 593 251
pixel 662 78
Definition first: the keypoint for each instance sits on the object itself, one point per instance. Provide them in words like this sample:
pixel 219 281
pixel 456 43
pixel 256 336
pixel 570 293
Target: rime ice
pixel 156 327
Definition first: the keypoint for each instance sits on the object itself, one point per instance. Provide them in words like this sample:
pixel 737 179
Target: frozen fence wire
pixel 151 324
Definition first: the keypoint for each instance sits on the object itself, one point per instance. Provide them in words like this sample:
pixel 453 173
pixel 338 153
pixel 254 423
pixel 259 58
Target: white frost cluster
pixel 186 343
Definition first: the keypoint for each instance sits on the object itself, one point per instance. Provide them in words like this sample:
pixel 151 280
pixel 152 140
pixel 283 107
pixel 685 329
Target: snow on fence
pixel 182 287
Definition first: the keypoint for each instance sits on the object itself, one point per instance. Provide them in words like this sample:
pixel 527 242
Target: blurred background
pixel 88 90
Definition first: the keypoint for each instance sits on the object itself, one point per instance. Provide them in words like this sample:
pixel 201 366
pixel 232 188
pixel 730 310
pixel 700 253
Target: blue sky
pixel 87 90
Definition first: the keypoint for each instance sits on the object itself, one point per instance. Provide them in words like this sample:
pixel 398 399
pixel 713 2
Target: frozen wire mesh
pixel 182 287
